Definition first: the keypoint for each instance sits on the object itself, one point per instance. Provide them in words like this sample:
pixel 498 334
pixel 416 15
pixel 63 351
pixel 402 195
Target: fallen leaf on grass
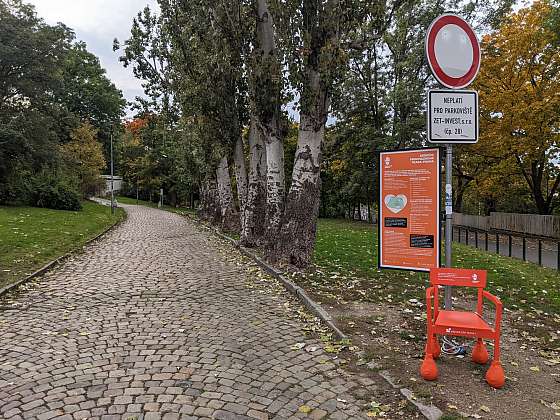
pixel 452 407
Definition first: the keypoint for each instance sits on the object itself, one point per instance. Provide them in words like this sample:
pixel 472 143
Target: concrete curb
pixel 60 259
pixel 431 412
pixel 293 288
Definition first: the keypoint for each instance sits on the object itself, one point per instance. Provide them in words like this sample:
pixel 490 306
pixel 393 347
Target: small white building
pixel 117 184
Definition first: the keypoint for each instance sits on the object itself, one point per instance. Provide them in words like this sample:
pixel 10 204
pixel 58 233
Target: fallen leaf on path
pixel 485 409
pixel 305 409
pixel 298 346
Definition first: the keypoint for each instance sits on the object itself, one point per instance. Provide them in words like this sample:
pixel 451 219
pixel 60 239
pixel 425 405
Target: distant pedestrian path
pixel 157 320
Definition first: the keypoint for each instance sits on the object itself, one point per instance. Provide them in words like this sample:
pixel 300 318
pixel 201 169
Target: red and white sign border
pixel 437 71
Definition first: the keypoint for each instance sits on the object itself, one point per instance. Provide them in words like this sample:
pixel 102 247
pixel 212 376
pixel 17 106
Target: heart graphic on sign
pixel 395 203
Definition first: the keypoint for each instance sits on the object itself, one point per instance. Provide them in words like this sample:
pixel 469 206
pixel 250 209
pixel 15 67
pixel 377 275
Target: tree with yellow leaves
pixel 519 87
pixel 83 156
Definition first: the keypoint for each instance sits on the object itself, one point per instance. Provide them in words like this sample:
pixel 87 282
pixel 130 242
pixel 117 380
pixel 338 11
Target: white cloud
pixel 98 22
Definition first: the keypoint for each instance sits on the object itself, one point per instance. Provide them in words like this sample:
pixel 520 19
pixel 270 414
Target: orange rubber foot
pixel 495 375
pixel 429 370
pixel 479 353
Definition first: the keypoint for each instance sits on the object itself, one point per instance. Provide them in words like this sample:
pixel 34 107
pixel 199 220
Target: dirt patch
pixel 392 337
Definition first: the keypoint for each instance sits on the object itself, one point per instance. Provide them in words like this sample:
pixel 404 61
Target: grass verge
pixel 31 237
pixel 383 312
pixel 347 252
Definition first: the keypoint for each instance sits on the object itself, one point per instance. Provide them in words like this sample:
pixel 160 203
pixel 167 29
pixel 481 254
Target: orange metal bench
pixel 464 324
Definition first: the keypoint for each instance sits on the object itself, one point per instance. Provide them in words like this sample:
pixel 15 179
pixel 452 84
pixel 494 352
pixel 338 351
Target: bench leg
pixel 429 370
pixel 495 375
pixel 432 346
pixel 479 353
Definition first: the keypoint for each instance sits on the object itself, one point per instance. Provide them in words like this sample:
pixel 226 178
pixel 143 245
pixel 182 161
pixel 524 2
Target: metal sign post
pixel 448 218
pixel 112 176
pixel 453 54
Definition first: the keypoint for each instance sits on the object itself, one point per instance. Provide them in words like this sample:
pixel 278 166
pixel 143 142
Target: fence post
pixel 452 234
pixel 467 236
pixel 540 252
pixel 509 244
pixel 498 243
pixel 558 255
pixel 476 239
pixel 486 241
pixel 525 249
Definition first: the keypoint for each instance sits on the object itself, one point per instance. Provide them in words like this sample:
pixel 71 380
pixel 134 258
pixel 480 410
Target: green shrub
pixel 48 188
pixel 54 194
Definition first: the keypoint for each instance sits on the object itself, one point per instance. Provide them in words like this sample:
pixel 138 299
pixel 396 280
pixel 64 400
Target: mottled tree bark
pixel 228 216
pixel 210 206
pixel 299 223
pixel 266 92
pixel 240 170
pixel 253 225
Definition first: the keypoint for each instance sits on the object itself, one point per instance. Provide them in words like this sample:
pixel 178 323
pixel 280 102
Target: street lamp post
pixel 112 179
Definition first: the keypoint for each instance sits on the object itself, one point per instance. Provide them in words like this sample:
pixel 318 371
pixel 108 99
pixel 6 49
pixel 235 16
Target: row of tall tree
pixel 57 110
pixel 226 79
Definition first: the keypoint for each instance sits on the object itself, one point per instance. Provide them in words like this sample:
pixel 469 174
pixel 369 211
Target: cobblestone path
pixel 159 319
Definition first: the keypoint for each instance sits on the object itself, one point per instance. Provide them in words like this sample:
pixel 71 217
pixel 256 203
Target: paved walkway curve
pixel 153 321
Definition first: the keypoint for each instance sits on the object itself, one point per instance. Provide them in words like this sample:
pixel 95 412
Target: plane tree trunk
pixel 228 216
pixel 240 170
pixel 298 232
pixel 253 224
pixel 266 90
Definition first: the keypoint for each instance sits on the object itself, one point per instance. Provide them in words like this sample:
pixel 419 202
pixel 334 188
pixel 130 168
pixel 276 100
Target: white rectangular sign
pixel 452 116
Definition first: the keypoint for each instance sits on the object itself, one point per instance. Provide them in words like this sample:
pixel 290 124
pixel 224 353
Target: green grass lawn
pixel 347 251
pixel 31 237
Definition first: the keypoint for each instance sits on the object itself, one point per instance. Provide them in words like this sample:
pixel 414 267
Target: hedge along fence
pixel 524 224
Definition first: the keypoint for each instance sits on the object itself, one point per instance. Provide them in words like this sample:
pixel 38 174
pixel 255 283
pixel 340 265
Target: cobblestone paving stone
pixel 160 320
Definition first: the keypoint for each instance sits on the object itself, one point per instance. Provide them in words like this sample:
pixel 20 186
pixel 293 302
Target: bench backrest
pixel 462 277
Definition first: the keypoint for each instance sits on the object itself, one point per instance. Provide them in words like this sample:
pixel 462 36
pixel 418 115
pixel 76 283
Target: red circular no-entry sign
pixel 453 51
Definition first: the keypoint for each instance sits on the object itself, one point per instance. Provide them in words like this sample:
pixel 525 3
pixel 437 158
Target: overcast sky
pixel 97 23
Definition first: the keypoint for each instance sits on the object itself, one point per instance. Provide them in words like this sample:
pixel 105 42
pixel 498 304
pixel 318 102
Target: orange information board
pixel 409 203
